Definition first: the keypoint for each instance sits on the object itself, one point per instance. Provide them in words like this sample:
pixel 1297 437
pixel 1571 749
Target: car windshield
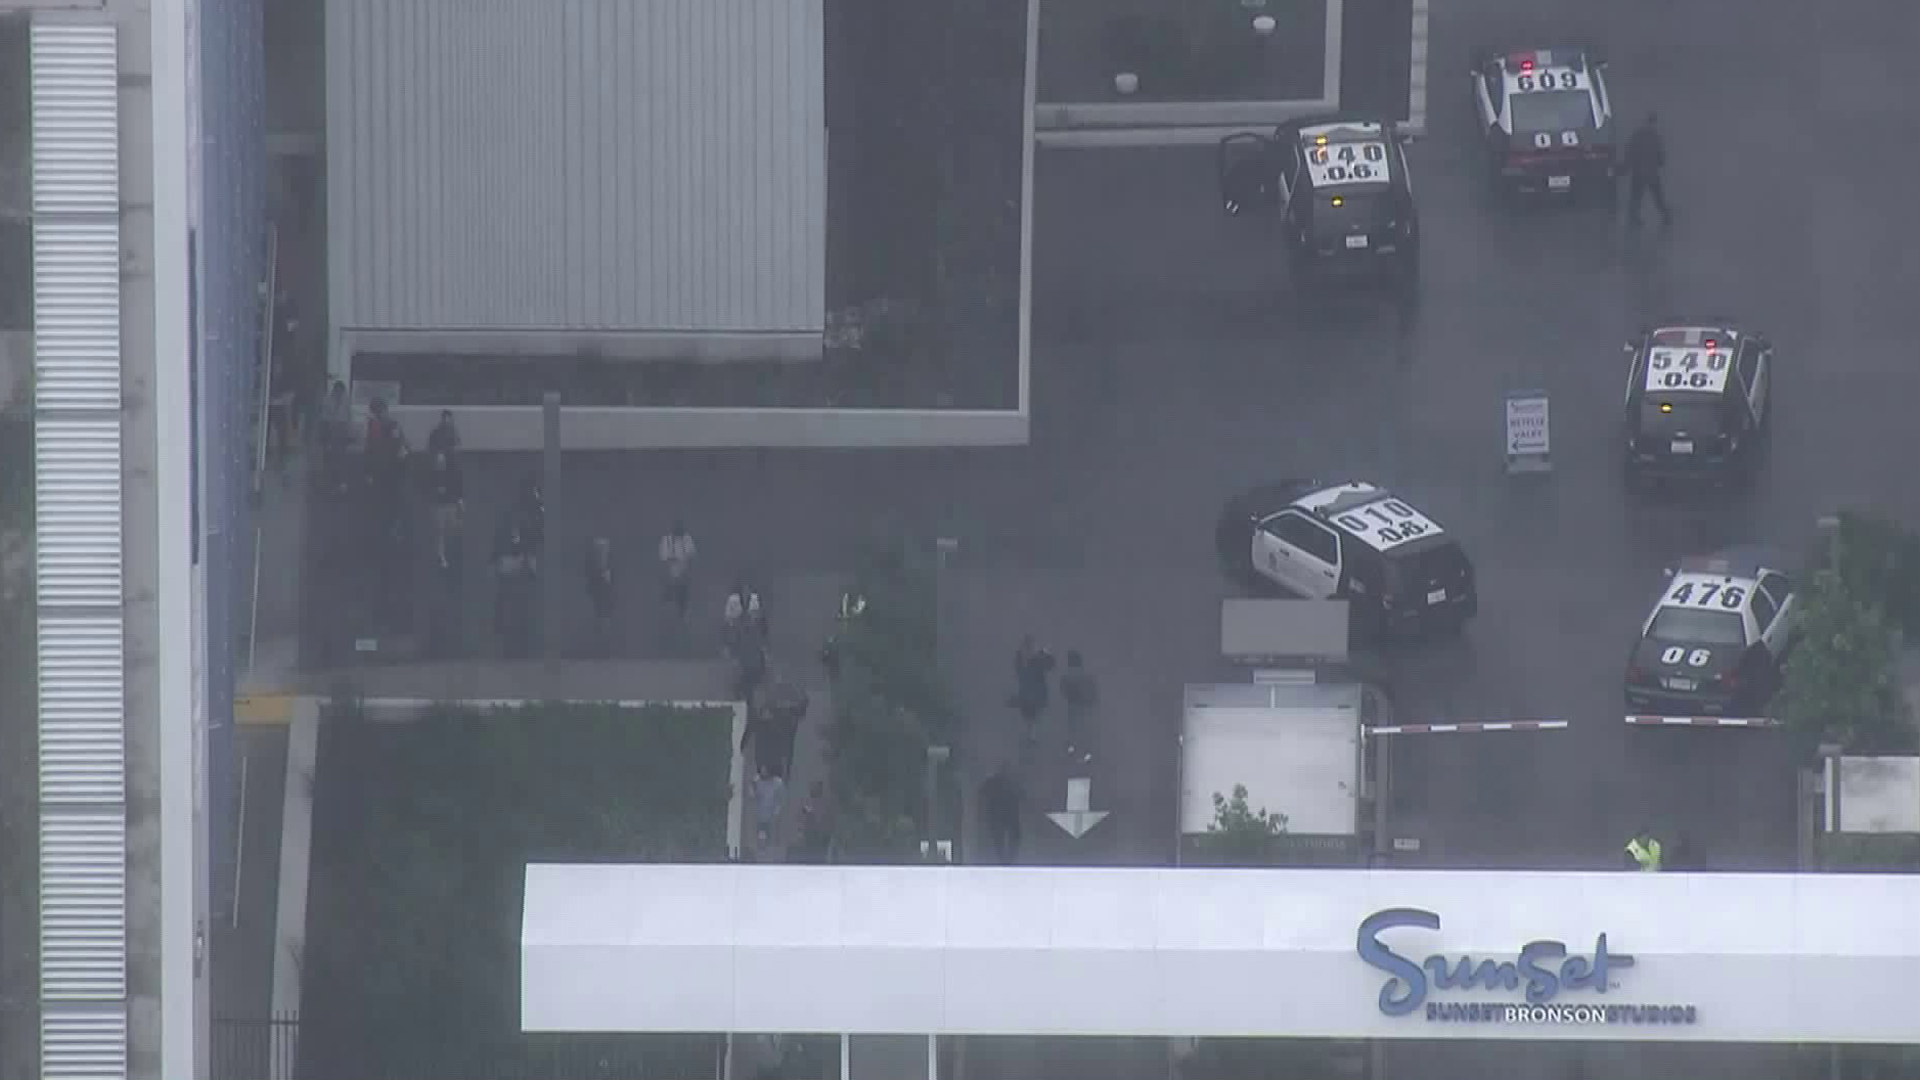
pixel 1691 626
pixel 1557 110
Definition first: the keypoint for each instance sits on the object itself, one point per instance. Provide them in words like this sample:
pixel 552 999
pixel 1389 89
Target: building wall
pixel 604 169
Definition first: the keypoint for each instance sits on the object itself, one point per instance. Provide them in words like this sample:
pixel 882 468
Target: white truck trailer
pixel 1291 735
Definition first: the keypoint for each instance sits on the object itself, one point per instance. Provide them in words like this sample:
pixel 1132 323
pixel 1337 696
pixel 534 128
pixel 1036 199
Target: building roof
pixel 1185 952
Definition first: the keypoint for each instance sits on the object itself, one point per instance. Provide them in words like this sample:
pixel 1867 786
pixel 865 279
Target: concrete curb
pixel 296 853
pixel 522 427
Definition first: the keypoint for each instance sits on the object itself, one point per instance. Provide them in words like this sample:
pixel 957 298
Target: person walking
pixel 336 438
pixel 786 706
pixel 1000 799
pixel 445 437
pixel 677 553
pixel 1081 694
pixel 447 498
pixel 1643 851
pixel 530 514
pixel 600 591
pixel 1646 156
pixel 513 592
pixel 769 802
pixel 1032 688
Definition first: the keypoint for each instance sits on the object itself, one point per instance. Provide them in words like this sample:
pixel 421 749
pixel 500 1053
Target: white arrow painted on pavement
pixel 1078 819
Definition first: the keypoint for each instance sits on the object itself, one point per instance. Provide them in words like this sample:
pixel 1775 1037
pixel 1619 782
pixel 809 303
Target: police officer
pixel 1643 851
pixel 1646 155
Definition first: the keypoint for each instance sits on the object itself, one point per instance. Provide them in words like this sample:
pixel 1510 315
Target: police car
pixel 1340 187
pixel 1716 638
pixel 1698 401
pixel 1548 121
pixel 1398 569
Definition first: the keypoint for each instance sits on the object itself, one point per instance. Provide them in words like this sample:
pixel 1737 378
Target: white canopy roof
pixel 949 950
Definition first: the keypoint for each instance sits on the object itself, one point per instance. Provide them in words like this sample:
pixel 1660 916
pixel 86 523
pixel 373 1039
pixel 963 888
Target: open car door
pixel 1249 169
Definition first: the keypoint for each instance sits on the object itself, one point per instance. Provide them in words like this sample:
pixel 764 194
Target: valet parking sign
pixel 1554 986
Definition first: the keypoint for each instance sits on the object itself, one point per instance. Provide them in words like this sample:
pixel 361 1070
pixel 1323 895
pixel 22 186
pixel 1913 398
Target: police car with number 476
pixel 1698 402
pixel 1398 569
pixel 1548 121
pixel 1716 639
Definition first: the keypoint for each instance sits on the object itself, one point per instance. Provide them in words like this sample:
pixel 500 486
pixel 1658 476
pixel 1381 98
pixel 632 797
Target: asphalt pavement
pixel 1173 366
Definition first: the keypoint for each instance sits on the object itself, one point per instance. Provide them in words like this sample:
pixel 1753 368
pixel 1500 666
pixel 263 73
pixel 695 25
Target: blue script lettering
pixel 1407 983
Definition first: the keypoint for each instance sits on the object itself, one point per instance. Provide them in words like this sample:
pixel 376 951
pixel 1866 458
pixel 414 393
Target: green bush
pixel 1881 564
pixel 422 834
pixel 1838 684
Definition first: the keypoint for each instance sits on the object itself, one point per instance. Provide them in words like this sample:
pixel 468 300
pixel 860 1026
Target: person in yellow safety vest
pixel 1643 851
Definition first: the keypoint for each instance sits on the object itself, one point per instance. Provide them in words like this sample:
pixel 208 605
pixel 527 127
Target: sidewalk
pixel 1143 643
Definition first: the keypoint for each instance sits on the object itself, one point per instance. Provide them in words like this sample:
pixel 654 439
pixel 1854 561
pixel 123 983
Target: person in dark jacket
pixel 1646 155
pixel 1032 682
pixel 600 589
pixel 1000 799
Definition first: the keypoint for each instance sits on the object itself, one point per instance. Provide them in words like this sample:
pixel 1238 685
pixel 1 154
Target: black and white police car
pixel 1398 569
pixel 1698 402
pixel 1716 638
pixel 1340 187
pixel 1548 121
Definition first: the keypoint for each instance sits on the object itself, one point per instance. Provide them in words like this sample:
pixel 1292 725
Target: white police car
pixel 1698 402
pixel 1716 638
pixel 1548 121
pixel 1398 569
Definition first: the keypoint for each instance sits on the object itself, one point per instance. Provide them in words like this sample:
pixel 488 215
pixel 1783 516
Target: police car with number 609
pixel 1398 569
pixel 1716 638
pixel 1341 190
pixel 1548 121
pixel 1698 402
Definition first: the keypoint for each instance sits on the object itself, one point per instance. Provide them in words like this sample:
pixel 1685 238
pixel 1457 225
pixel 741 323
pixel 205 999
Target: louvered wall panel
pixel 77 492
pixel 82 709
pixel 79 1042
pixel 77 497
pixel 622 165
pixel 76 274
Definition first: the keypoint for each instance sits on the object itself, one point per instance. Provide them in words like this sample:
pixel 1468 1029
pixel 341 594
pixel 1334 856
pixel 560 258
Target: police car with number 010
pixel 1698 401
pixel 1716 638
pixel 1340 187
pixel 1548 121
pixel 1398 569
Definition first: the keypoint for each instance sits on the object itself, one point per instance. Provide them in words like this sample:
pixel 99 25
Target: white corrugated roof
pixel 1156 952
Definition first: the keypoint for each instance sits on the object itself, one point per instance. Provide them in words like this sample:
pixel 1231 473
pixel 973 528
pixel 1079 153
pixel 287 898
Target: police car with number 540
pixel 1717 637
pixel 1548 121
pixel 1399 571
pixel 1698 403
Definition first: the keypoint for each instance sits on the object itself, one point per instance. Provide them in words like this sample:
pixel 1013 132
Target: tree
pixel 1838 684
pixel 1239 833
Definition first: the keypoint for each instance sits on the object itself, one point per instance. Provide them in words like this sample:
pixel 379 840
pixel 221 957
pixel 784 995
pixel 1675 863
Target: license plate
pixel 1559 183
pixel 1356 241
pixel 1437 596
pixel 1683 446
pixel 1687 685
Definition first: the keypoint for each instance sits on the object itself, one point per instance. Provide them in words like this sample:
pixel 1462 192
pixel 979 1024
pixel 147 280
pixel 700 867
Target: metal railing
pixel 255 1048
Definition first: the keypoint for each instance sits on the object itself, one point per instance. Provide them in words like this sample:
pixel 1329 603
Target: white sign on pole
pixel 1528 439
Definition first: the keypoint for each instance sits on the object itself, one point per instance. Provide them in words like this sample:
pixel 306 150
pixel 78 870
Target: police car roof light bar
pixel 1470 727
pixel 1703 721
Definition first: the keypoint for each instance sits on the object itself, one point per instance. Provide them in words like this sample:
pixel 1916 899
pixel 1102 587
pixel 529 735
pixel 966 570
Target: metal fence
pixel 255 1048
